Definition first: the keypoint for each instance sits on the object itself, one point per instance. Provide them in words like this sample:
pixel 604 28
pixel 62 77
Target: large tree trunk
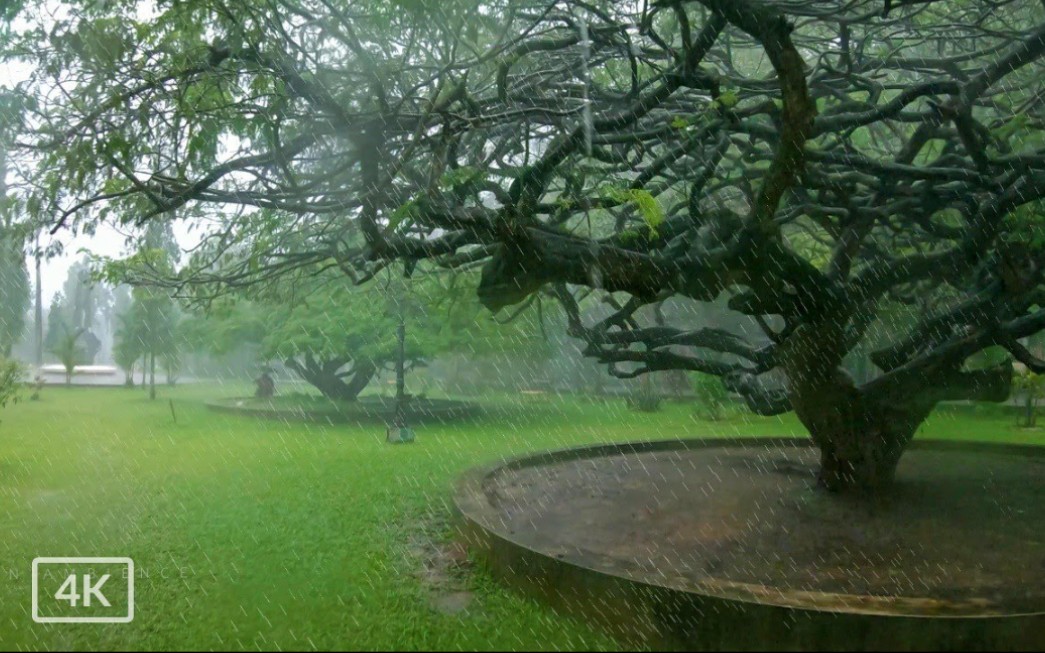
pixel 862 432
pixel 326 378
pixel 861 440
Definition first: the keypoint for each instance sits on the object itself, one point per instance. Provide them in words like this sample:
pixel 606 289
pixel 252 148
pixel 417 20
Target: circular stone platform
pixel 368 410
pixel 728 544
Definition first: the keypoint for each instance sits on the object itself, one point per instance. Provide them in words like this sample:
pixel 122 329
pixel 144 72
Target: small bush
pixel 1031 387
pixel 712 397
pixel 10 380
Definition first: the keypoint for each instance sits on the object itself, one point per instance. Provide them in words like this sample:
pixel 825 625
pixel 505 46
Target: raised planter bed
pixel 367 410
pixel 725 544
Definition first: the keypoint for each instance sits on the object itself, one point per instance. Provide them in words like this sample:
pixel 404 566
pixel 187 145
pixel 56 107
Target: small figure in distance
pixel 266 386
pixel 38 385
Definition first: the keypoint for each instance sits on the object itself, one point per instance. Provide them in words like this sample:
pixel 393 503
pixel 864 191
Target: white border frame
pixel 84 561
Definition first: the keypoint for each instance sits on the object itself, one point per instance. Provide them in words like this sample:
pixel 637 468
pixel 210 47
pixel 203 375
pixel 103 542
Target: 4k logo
pixel 83 590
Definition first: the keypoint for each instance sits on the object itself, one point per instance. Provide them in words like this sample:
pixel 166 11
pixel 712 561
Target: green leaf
pixel 645 203
pixel 728 99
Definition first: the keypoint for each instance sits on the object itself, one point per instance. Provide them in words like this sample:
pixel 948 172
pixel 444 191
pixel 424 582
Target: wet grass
pixel 262 534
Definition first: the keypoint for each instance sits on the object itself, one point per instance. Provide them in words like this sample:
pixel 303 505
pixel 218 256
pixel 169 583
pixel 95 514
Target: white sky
pixel 106 241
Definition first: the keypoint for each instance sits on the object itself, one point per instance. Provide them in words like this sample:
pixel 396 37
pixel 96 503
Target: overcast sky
pixel 107 241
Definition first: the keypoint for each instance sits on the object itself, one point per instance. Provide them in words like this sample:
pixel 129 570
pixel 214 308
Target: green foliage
pixel 14 292
pixel 712 398
pixel 1025 226
pixel 324 319
pixel 629 236
pixel 728 98
pixel 14 275
pixel 58 322
pixel 11 372
pixel 127 344
pixel 211 101
pixel 154 317
pixel 404 214
pixel 331 318
pixel 150 322
pixel 69 352
pixel 1031 388
pixel 457 177
pixel 645 203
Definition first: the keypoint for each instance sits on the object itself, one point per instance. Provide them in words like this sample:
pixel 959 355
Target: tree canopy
pixel 813 161
pixel 339 337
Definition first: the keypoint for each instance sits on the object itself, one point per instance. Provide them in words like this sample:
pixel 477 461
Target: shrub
pixel 1032 388
pixel 10 380
pixel 712 397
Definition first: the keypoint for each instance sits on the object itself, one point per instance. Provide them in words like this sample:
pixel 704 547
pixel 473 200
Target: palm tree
pixel 67 350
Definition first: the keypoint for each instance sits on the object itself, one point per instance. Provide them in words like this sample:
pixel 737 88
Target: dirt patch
pixel 441 564
pixel 962 533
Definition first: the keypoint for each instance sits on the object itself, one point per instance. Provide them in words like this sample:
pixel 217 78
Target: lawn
pixel 255 534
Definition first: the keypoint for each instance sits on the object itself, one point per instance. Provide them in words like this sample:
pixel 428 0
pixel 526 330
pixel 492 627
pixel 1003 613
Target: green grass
pixel 256 534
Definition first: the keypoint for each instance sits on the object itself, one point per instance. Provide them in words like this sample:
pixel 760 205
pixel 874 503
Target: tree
pixel 812 162
pixel 337 337
pixel 127 345
pixel 58 323
pixel 155 315
pixel 69 351
pixel 79 307
pixel 148 316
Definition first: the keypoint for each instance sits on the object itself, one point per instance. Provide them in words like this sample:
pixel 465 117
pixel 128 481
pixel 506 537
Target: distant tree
pixel 58 323
pixel 127 345
pixel 69 352
pixel 87 302
pixel 155 314
pixel 147 315
pixel 338 337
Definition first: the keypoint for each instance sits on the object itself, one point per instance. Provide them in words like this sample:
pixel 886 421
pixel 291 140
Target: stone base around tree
pixel 365 411
pixel 727 544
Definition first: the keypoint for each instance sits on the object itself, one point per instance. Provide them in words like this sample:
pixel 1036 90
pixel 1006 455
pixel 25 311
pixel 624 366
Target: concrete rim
pixel 440 410
pixel 478 522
